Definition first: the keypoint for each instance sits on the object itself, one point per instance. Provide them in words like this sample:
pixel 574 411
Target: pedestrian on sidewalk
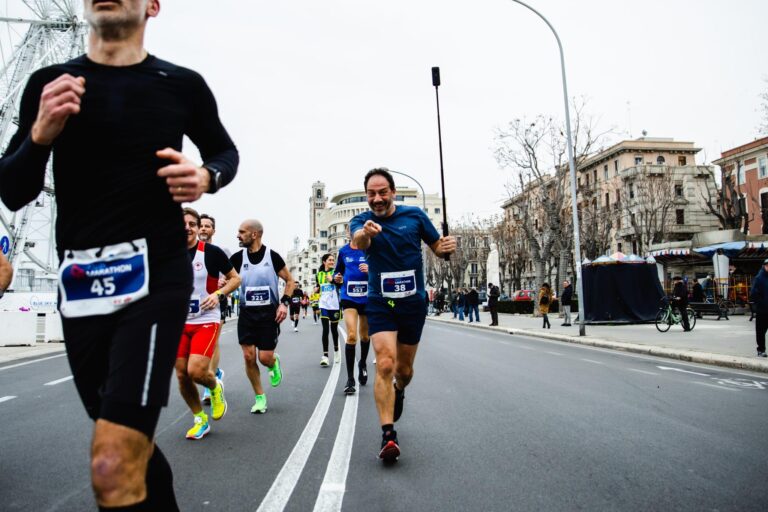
pixel 473 301
pixel 461 304
pixel 680 302
pixel 759 296
pixel 565 302
pixel 493 303
pixel 545 299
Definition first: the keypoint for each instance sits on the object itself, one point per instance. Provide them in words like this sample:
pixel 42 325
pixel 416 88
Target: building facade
pixel 630 196
pixel 744 177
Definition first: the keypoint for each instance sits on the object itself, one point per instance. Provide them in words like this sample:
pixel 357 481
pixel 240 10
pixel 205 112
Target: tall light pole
pixel 572 167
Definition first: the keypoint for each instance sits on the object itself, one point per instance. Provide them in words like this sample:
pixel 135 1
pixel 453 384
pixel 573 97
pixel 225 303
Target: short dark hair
pixel 206 216
pixel 677 278
pixel 189 211
pixel 379 171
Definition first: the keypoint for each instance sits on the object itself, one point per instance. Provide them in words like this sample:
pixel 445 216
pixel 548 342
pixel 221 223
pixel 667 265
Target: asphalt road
pixel 491 422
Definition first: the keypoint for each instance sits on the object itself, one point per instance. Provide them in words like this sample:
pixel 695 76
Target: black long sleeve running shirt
pixel 104 162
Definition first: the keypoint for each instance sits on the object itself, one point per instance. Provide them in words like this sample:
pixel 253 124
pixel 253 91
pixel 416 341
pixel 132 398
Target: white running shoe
pixel 337 357
pixel 295 329
pixel 324 361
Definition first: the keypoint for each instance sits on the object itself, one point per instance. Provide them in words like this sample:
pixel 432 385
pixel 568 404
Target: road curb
pixel 738 362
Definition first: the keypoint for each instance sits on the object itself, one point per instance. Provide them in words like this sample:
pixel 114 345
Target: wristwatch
pixel 215 182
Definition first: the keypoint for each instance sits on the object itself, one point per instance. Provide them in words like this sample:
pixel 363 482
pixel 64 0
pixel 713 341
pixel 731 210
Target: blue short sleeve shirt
pixel 398 247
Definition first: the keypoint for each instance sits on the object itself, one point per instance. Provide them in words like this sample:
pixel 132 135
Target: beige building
pixel 630 196
pixel 329 221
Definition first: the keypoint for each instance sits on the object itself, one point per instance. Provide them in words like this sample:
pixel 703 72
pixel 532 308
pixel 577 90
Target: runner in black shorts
pixel 259 323
pixel 114 120
pixel 352 273
pixel 296 297
pixel 391 236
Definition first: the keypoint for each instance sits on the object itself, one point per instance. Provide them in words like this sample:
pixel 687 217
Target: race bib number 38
pixel 103 280
pixel 397 285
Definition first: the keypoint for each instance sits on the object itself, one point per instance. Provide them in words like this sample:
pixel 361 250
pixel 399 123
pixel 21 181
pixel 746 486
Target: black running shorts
pixel 295 310
pixel 261 333
pixel 349 304
pixel 127 357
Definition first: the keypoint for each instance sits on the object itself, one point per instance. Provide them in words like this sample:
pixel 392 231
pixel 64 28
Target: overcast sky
pixel 325 90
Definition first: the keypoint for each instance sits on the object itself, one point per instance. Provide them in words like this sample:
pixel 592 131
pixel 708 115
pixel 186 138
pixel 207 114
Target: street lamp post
pixel 572 167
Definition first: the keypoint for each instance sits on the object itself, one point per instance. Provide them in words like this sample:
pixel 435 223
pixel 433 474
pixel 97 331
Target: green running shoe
pixel 260 407
pixel 275 373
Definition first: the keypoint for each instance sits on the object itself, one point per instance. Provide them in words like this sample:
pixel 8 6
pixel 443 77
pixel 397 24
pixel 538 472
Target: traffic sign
pixel 5 244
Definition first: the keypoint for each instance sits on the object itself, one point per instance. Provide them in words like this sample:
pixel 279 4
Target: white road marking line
pixel 592 361
pixel 641 371
pixel 6 398
pixel 30 362
pixel 524 347
pixel 278 495
pixel 334 483
pixel 714 386
pixel 681 370
pixel 59 381
pixel 555 353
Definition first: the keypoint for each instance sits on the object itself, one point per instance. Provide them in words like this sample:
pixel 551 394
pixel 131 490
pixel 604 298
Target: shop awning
pixel 730 249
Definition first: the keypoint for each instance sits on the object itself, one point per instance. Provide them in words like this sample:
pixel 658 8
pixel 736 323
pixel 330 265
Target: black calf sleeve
pixel 349 353
pixel 160 495
pixel 326 323
pixel 364 347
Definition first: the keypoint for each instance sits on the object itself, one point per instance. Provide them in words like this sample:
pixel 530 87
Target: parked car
pixel 521 295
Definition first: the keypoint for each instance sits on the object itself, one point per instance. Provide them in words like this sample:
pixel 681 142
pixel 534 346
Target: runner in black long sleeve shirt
pixel 114 122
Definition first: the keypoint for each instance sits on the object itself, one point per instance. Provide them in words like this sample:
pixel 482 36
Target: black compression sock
pixel 160 495
pixel 389 427
pixel 296 323
pixel 364 347
pixel 349 353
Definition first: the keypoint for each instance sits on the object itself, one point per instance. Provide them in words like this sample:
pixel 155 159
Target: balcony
pixel 646 170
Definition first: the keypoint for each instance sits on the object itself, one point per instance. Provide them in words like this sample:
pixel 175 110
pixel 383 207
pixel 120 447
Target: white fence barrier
pixel 28 328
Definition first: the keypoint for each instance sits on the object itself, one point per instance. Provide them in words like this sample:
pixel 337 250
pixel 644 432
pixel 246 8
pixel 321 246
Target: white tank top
pixel 259 282
pixel 204 285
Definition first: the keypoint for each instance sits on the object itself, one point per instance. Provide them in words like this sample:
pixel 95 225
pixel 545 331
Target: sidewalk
pixel 12 353
pixel 729 343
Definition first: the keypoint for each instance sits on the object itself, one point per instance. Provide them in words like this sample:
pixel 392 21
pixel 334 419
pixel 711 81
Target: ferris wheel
pixel 33 34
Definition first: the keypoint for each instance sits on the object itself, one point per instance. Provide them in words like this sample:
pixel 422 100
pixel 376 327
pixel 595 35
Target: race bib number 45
pixel 397 285
pixel 101 281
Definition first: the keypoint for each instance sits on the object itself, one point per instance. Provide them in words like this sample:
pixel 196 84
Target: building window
pixel 631 191
pixel 638 160
pixel 762 168
pixel 618 247
pixel 607 200
pixel 680 217
pixel 437 210
pixel 319 194
pixel 660 160
pixel 323 247
pixel 678 191
pixel 323 234
pixel 594 175
pixel 681 160
pixel 605 172
pixel 473 268
pixel 634 246
pixel 742 175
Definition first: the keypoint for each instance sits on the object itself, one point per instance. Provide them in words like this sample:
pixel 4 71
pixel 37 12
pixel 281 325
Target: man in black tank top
pixel 114 120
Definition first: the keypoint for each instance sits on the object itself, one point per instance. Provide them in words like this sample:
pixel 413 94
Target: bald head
pixel 249 234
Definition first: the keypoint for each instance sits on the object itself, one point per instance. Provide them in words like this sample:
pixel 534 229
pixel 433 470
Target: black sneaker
pixel 362 374
pixel 761 354
pixel 349 389
pixel 399 397
pixel 390 449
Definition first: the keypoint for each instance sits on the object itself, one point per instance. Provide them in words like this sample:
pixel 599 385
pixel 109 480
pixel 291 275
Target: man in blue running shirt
pixel 352 274
pixel 391 236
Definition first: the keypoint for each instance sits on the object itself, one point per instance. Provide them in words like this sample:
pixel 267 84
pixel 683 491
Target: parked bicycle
pixel 669 316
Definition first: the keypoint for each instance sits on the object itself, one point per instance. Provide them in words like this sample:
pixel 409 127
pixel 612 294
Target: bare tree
pixel 762 130
pixel 535 152
pixel 726 205
pixel 596 225
pixel 649 205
